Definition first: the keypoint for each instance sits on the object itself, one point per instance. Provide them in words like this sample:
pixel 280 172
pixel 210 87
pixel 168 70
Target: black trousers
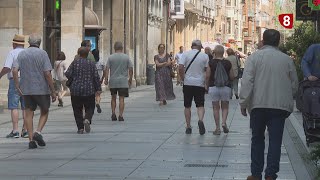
pixel 78 104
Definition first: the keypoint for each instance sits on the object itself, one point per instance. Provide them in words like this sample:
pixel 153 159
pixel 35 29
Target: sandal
pixel 225 128
pixel 217 132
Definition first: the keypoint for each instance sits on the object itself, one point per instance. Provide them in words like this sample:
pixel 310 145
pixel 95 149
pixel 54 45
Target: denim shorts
pixel 219 93
pixel 13 97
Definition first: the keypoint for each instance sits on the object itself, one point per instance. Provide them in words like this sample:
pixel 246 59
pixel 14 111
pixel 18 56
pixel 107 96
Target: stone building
pixel 196 23
pixel 64 24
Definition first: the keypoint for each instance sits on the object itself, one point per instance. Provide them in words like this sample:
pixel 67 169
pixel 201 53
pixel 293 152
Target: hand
pixel 312 78
pixel 98 93
pixel 53 97
pixel 130 83
pixel 106 82
pixel 19 91
pixel 244 111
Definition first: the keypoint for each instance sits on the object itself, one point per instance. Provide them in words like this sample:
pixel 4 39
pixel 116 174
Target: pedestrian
pixel 268 86
pixel 35 85
pixel 13 95
pixel 192 68
pixel 177 58
pixel 235 68
pixel 208 51
pixel 100 68
pixel 86 44
pixel 119 66
pixel 310 63
pixel 60 67
pixel 84 86
pixel 163 80
pixel 219 76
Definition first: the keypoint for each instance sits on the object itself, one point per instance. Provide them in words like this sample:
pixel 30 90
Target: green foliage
pixel 315 157
pixel 304 35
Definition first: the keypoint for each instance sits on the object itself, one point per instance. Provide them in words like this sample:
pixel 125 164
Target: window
pixel 228 25
pixel 228 2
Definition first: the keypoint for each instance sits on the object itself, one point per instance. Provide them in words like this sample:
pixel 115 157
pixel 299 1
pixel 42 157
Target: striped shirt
pixel 32 63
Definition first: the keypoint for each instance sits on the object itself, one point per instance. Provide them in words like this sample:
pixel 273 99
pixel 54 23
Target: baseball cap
pixel 197 42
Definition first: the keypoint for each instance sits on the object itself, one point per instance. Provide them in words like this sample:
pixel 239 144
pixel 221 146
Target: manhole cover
pixel 206 165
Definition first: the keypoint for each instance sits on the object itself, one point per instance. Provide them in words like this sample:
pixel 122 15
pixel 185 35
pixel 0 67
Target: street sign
pixel 314 5
pixel 303 12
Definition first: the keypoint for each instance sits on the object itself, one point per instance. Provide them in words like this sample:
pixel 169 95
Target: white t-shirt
pixel 195 75
pixel 11 57
pixel 60 67
pixel 178 57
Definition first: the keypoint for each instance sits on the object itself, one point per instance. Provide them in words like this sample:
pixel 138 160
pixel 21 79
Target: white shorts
pixel 220 93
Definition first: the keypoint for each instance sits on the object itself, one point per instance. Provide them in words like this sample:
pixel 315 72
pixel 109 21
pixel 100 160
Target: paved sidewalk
pixel 149 144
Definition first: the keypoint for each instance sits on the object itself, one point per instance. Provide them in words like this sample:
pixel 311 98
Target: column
pixel 71 27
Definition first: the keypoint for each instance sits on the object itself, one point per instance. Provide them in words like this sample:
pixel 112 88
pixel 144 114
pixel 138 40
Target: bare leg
pixel 187 114
pixel 15 119
pixel 121 106
pixel 113 104
pixel 201 112
pixel 29 122
pixel 225 111
pixel 98 99
pixel 24 119
pixel 216 113
pixel 43 119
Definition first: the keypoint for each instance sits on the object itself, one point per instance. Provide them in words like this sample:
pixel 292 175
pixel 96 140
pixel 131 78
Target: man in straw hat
pixel 13 96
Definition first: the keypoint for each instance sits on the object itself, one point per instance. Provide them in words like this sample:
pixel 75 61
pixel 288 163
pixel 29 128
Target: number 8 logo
pixel 286 20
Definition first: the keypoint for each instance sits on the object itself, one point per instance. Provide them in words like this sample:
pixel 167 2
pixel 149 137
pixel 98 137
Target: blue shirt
pixel 310 63
pixel 85 78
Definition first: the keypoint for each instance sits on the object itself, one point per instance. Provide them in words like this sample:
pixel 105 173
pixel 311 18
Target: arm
pixel 16 80
pixel 158 64
pixel 106 75
pixel 4 71
pixel 48 77
pixel 306 61
pixel 231 74
pixel 130 76
pixel 247 86
pixel 208 74
pixel 97 84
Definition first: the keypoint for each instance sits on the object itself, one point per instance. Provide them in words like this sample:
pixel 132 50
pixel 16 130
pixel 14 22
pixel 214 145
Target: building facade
pixel 65 24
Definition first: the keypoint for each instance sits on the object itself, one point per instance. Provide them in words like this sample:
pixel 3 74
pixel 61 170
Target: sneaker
pixel 225 128
pixel 120 118
pixel 39 139
pixel 202 129
pixel 60 104
pixel 13 135
pixel 98 108
pixel 114 117
pixel 86 123
pixel 24 133
pixel 217 132
pixel 188 130
pixel 80 131
pixel 32 145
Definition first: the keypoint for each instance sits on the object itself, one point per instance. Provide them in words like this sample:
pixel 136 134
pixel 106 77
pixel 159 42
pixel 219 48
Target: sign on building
pixel 303 12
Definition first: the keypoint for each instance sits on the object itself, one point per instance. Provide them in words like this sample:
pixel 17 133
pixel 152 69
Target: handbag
pixel 172 73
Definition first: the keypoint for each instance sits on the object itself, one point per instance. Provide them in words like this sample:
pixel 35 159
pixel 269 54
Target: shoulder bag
pixel 191 62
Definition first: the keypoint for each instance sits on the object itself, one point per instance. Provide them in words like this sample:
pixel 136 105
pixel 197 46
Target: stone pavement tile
pixel 89 167
pixel 186 153
pixel 54 151
pixel 139 137
pixel 171 169
pixel 123 151
pixel 34 167
pixel 83 138
pixel 78 177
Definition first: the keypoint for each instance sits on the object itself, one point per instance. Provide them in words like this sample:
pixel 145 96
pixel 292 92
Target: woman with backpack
pixel 219 76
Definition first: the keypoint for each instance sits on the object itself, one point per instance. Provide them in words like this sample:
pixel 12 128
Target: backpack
pixel 221 77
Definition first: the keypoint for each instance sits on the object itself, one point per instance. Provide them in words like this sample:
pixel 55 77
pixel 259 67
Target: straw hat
pixel 18 39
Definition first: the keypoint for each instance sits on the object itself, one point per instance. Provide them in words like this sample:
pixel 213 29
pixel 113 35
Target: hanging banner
pixel 314 5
